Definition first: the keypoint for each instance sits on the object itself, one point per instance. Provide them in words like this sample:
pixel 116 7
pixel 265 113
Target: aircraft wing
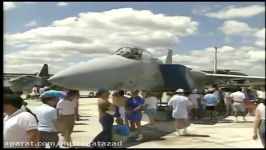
pixel 236 77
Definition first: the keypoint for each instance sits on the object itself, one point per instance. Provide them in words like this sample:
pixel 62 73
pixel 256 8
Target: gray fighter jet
pixel 25 83
pixel 135 68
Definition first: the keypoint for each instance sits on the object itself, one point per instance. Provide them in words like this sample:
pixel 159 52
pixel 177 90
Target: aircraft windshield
pixel 133 53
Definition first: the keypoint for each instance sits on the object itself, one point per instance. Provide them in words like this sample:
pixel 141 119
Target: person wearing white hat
pixel 181 107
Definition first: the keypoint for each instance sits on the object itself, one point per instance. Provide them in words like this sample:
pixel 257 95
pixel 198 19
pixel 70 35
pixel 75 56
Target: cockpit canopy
pixel 133 53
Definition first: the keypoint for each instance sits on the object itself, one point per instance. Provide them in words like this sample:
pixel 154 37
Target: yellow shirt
pixel 103 106
pixel 119 101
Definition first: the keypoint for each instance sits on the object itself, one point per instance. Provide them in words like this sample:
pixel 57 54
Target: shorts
pixel 136 116
pixel 151 112
pixel 210 108
pixel 238 107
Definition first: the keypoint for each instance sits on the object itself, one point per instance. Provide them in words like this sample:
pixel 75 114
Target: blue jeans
pixel 106 134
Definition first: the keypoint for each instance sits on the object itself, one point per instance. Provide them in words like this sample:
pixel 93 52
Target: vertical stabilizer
pixel 169 57
pixel 44 71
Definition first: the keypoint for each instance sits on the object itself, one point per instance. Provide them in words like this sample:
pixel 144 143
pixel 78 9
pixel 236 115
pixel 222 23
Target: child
pixel 120 131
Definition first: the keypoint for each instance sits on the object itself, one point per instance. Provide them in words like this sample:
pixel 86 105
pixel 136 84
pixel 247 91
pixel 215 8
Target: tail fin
pixel 44 71
pixel 169 57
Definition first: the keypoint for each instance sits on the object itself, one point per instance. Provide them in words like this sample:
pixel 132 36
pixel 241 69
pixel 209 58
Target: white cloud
pixel 260 35
pixel 32 23
pixel 232 27
pixel 240 12
pixel 249 60
pixel 62 4
pixel 9 5
pixel 95 33
pixel 30 2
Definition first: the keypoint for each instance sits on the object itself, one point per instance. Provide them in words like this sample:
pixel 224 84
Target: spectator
pixel 228 103
pixel 181 108
pixel 105 116
pixel 259 123
pixel 67 109
pixel 119 101
pixel 210 101
pixel 77 106
pixel 48 125
pixel 120 131
pixel 194 98
pixel 35 92
pixel 19 125
pixel 249 101
pixel 261 94
pixel 238 104
pixel 150 106
pixel 134 106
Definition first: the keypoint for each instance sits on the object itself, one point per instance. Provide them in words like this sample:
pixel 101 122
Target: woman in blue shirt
pixel 134 106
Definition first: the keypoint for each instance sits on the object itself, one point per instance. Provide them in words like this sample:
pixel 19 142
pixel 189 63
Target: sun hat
pixel 53 93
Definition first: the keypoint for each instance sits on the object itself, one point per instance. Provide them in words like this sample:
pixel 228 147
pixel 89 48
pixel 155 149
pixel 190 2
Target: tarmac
pixel 223 133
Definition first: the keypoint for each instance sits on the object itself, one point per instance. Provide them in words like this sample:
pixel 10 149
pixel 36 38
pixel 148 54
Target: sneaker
pixel 140 137
pixel 185 132
pixel 177 132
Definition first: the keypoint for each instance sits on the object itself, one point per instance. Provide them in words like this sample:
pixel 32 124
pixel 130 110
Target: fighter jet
pixel 135 68
pixel 25 83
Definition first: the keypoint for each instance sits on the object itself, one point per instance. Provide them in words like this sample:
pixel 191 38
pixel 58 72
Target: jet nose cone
pixel 62 78
pixel 84 76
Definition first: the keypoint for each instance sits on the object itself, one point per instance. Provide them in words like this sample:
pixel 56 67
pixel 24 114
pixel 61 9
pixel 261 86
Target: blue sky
pixel 210 25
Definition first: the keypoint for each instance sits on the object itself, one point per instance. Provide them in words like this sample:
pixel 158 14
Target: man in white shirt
pixel 181 107
pixel 150 104
pixel 67 112
pixel 261 94
pixel 259 123
pixel 20 127
pixel 238 104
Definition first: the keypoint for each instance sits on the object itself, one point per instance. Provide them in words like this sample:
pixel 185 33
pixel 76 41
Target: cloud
pixel 9 5
pixel 240 12
pixel 62 4
pixel 32 23
pixel 30 2
pixel 232 27
pixel 97 33
pixel 260 35
pixel 249 60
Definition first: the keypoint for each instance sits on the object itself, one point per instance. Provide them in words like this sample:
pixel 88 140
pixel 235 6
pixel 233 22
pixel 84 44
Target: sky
pixel 62 34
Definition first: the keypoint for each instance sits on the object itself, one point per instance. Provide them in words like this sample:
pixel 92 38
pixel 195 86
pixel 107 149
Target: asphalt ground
pixel 223 133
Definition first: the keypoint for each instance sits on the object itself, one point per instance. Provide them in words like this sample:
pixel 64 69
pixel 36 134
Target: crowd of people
pixel 121 117
pixel 40 128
